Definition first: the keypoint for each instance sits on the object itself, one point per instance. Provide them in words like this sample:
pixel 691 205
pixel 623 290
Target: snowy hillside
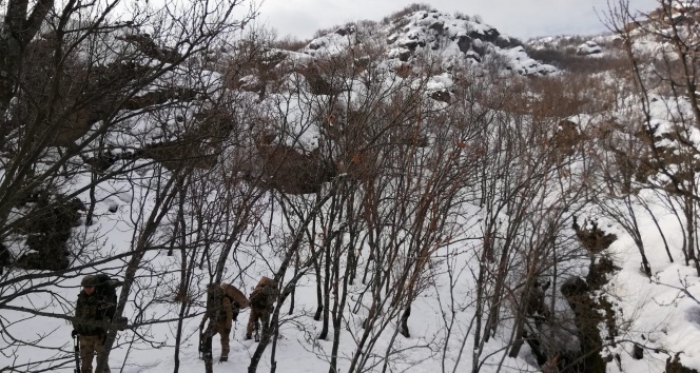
pixel 430 34
pixel 428 196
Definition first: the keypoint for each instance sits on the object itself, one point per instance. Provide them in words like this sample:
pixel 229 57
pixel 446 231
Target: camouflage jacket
pixel 264 295
pixel 232 300
pixel 93 314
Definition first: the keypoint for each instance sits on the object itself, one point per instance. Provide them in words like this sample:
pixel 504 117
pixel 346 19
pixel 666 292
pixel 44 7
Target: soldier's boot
pixel 225 334
pixel 249 331
pixel 224 352
pixel 252 320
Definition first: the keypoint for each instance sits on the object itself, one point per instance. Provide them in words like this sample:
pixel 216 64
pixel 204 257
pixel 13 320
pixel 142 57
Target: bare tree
pixel 73 82
pixel 669 72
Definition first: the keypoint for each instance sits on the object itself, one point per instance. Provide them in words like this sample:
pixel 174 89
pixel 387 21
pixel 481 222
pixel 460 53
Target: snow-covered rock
pixel 455 39
pixel 588 48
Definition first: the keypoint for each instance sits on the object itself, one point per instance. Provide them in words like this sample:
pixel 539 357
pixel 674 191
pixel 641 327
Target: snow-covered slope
pixel 429 33
pixel 506 226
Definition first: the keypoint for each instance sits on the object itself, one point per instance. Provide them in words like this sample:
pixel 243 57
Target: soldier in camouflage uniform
pixel 232 301
pixel 93 314
pixel 262 301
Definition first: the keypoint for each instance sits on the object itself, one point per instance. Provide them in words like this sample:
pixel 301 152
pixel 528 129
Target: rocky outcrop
pixel 673 365
pixel 290 171
pixel 589 48
pixel 593 239
pixel 5 258
pixel 419 32
pixel 47 227
pixel 588 360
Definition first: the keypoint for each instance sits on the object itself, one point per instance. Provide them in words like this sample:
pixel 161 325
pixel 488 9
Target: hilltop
pixel 426 33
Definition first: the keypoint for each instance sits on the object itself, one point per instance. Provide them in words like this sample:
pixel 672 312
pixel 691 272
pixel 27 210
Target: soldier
pixel 93 314
pixel 232 301
pixel 262 301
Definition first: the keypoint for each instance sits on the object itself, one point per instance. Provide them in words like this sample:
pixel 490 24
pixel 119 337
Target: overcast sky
pixel 519 18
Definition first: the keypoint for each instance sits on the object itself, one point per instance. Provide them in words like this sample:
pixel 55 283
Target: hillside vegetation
pixel 427 193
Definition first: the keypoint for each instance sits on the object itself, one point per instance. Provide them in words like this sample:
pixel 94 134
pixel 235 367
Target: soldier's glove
pixel 122 323
pixel 73 333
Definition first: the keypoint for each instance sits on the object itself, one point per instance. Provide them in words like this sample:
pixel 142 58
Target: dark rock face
pixel 5 258
pixel 319 83
pixel 588 360
pixel 438 27
pixel 593 239
pixel 405 55
pixel 638 352
pixel 480 48
pixel 413 44
pixel 48 228
pixel 290 171
pixel 574 287
pixel 586 306
pixel 674 365
pixel 505 42
pixel 44 261
pixel 490 35
pixel 442 95
pixel 464 43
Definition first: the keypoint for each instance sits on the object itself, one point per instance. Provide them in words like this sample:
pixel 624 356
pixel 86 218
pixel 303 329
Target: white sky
pixel 519 18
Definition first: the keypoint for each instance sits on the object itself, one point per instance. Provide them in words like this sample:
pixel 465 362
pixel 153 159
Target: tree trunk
pixel 279 276
pixel 207 354
pixel 338 306
pixel 162 206
pixel 326 291
pixel 404 321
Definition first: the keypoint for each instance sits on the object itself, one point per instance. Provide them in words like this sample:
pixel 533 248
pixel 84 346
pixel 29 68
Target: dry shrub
pixel 674 365
pixel 415 7
pixel 183 297
pixel 667 76
pixel 568 95
pixel 460 15
pixel 290 43
pixel 326 31
pixel 367 24
pixel 559 97
pixel 567 59
pixel 566 137
pixel 291 171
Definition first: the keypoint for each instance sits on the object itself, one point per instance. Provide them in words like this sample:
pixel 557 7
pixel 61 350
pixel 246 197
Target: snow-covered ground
pixel 662 313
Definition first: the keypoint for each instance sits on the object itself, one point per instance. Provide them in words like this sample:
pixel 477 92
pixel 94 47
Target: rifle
pixel 76 346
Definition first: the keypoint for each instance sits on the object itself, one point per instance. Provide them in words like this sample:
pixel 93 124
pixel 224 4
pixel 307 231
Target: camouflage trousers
pixel 90 346
pixel 257 315
pixel 224 333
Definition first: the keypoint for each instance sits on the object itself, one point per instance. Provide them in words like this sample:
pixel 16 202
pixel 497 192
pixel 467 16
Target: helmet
pixel 89 281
